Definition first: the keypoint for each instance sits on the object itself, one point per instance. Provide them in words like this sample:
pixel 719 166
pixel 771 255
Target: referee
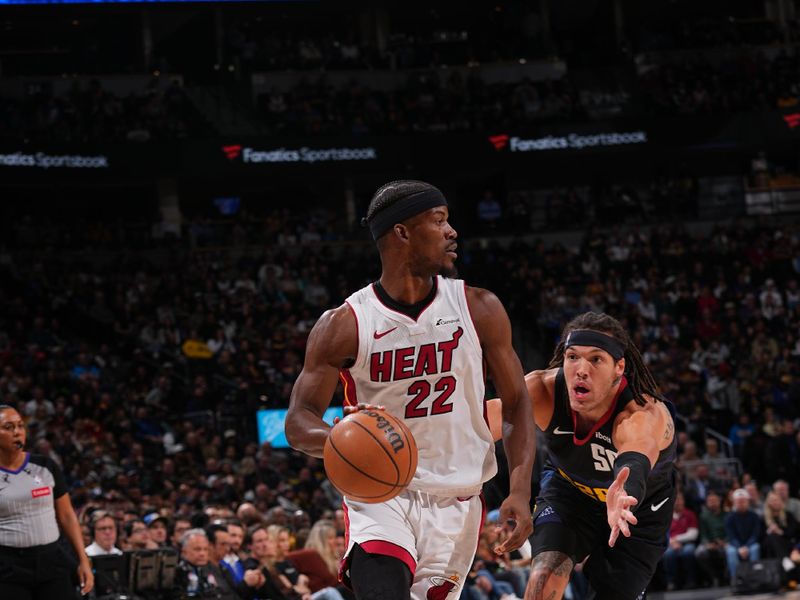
pixel 34 565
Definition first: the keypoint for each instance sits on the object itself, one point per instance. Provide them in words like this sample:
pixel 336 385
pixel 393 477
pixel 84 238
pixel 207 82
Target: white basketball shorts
pixel 435 536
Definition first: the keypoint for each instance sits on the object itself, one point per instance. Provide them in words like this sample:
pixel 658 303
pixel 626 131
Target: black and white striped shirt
pixel 27 502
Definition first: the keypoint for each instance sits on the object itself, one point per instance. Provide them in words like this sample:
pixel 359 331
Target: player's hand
pixel 349 410
pixel 618 507
pixel 515 508
pixel 85 577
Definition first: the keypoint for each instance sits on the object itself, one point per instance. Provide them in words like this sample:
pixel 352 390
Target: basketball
pixel 370 456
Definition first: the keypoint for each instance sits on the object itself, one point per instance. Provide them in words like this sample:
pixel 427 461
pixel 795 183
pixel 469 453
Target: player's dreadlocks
pixel 638 375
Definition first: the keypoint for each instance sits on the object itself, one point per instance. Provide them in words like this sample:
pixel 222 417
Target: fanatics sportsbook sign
pixel 42 160
pixel 303 154
pixel 571 141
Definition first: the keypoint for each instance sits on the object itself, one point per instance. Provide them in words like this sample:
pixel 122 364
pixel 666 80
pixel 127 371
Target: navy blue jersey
pixel 588 462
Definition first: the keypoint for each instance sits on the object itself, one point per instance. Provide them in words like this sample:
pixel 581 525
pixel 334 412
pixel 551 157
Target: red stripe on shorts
pixel 393 550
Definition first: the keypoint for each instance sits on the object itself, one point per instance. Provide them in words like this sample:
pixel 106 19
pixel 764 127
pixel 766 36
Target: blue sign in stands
pixel 271 429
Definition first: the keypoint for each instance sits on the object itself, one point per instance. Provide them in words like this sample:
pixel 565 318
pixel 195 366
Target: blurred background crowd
pixel 148 313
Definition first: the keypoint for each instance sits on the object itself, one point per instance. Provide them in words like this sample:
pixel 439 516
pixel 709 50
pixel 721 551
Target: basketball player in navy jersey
pixel 610 468
pixel 414 343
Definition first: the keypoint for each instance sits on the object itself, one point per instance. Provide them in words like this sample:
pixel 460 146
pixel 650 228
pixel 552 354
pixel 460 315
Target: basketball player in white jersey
pixel 415 344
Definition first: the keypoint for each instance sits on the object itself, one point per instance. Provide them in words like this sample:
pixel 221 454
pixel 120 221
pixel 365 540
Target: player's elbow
pixel 292 431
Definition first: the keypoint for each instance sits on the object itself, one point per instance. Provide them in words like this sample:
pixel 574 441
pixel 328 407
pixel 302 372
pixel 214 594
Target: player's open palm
pixel 618 508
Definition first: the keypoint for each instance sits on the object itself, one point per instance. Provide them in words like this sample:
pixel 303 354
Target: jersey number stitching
pixel 421 389
pixel 603 457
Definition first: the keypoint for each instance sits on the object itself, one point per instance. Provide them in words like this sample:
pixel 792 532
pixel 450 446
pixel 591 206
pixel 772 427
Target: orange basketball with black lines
pixel 370 456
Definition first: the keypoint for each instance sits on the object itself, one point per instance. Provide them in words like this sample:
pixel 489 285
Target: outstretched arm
pixel 332 345
pixel 638 437
pixel 519 434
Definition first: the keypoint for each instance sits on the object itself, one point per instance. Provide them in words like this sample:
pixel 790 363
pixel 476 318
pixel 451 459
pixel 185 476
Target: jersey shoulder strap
pixel 561 415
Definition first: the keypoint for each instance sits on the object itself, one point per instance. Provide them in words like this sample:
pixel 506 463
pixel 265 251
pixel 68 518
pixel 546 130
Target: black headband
pixel 589 337
pixel 403 209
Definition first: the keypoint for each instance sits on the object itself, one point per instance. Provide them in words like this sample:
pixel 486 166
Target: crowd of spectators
pixel 141 377
pixel 469 35
pixel 706 32
pixel 433 101
pixel 88 113
pixel 441 101
pixel 747 82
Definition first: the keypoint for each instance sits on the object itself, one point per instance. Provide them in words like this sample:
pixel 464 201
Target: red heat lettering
pixel 403 363
pixel 446 348
pixel 380 368
pixel 426 361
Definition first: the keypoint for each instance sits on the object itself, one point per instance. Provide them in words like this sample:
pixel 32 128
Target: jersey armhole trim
pixel 358 332
pixel 472 329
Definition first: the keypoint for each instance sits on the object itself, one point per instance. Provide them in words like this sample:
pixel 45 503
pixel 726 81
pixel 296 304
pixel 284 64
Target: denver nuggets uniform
pixel 428 372
pixel 570 513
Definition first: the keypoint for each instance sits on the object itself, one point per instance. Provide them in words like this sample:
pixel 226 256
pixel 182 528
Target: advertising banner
pixel 87 161
pixel 545 145
pixel 264 156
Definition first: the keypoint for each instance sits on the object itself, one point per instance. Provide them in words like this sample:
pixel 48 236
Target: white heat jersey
pixel 429 373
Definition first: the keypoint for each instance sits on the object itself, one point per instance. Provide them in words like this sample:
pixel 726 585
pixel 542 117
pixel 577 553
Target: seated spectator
pixel 104 535
pixel 233 560
pixel 286 567
pixel 157 527
pixel 699 485
pixel 781 528
pixel 137 536
pixel 262 557
pixel 756 499
pixel 712 450
pixel 679 562
pixel 176 531
pixel 742 532
pixel 319 559
pixel 710 553
pixel 218 547
pixel 322 543
pixel 791 504
pixel 195 575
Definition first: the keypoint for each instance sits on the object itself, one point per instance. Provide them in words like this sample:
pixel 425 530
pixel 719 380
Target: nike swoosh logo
pixel 378 336
pixel 655 507
pixel 557 431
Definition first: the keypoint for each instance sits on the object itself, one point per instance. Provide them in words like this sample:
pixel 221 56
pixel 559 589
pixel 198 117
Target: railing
pixel 724 443
pixel 724 470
